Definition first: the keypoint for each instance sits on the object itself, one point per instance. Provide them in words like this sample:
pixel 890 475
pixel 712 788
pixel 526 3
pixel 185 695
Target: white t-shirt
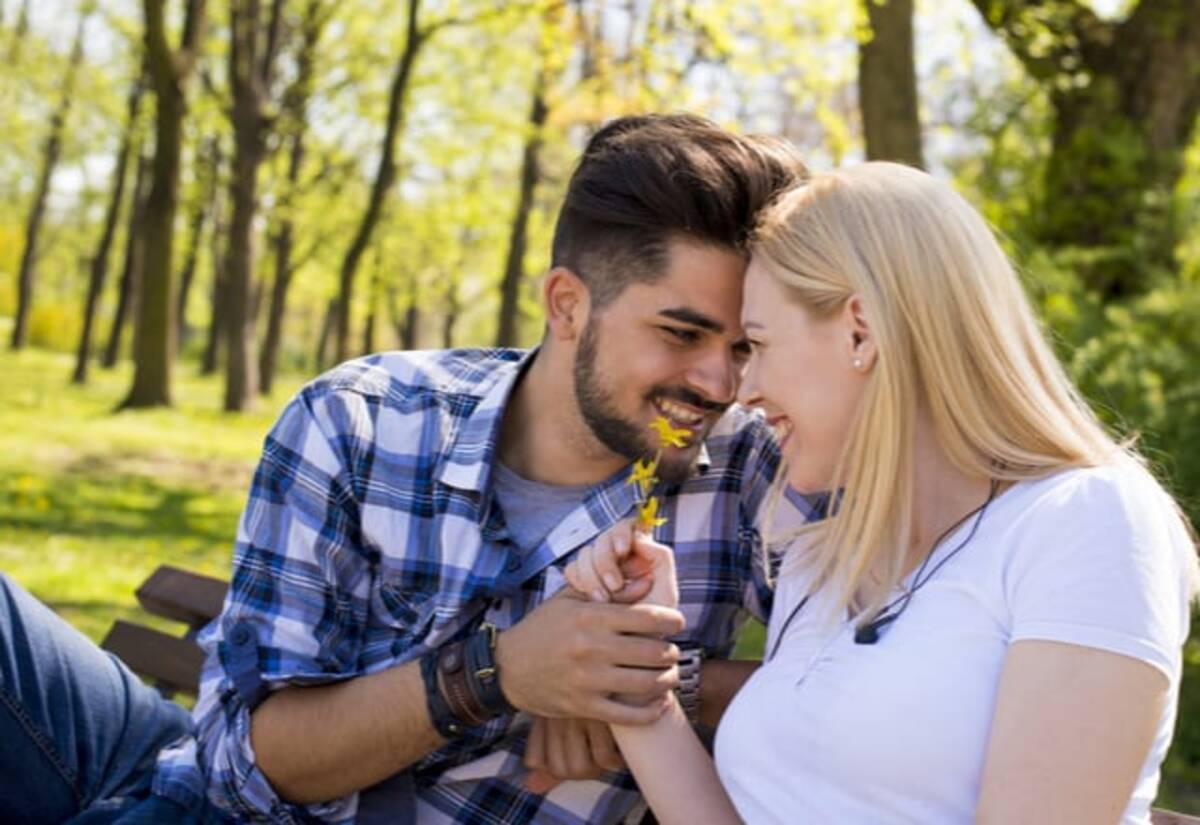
pixel 896 732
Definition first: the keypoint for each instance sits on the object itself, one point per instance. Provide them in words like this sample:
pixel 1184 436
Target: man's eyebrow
pixel 691 316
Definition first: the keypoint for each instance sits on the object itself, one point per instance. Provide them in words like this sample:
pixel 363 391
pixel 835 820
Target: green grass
pixel 91 500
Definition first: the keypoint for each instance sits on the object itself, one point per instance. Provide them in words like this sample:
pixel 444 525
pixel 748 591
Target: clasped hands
pixel 595 654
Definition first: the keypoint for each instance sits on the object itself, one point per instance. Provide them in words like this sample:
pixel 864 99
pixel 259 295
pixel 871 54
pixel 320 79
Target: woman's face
pixel 802 374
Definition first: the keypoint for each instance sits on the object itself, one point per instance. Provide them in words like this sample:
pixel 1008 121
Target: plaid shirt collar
pixel 472 447
pixel 468 458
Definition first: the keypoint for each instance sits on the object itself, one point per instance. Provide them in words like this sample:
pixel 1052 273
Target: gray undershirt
pixel 532 509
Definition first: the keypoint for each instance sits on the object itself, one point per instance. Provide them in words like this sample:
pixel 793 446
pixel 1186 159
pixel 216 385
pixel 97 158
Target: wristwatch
pixel 688 691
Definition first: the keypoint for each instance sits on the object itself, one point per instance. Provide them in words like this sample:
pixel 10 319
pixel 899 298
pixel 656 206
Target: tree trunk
pixel 99 263
pixel 1125 97
pixel 368 342
pixel 507 326
pixel 453 308
pixel 216 325
pixel 407 322
pixel 131 269
pixel 369 329
pixel 322 353
pixel 384 178
pixel 269 354
pixel 295 112
pixel 154 335
pixel 410 338
pixel 50 156
pixel 202 209
pixel 887 84
pixel 241 366
pixel 251 58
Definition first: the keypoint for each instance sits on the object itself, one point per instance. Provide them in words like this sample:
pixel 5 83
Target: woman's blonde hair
pixel 954 334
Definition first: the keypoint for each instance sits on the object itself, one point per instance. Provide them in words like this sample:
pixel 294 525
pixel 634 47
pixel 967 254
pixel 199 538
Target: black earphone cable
pixel 868 633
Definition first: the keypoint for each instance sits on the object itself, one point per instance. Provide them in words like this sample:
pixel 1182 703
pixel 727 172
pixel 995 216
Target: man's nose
pixel 715 377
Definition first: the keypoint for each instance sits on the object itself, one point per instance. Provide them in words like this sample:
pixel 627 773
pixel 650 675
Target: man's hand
pixel 568 658
pixel 571 749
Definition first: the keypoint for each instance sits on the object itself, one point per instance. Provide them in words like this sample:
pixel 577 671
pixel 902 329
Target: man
pixel 389 632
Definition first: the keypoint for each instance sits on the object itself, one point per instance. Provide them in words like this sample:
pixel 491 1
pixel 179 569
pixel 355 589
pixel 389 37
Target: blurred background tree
pixel 301 181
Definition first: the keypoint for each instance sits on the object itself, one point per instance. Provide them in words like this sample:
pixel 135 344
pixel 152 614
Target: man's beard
pixel 629 439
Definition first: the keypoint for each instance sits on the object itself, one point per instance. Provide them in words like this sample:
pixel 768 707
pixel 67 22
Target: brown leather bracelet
pixel 454 681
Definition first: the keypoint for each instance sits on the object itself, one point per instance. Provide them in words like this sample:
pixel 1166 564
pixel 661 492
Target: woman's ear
pixel 566 301
pixel 862 350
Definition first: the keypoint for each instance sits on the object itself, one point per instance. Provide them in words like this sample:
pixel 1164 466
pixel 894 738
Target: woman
pixel 988 627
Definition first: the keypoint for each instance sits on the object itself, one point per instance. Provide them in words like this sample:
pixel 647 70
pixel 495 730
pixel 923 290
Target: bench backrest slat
pixel 1161 817
pixel 173 662
pixel 191 598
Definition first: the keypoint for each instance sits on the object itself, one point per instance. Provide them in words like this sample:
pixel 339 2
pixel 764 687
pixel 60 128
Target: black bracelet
pixel 443 718
pixel 484 675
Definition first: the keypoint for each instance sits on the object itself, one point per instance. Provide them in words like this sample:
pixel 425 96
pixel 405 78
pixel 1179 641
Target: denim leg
pixel 77 727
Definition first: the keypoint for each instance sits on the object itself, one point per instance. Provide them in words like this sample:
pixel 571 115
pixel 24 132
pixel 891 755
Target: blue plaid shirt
pixel 371 536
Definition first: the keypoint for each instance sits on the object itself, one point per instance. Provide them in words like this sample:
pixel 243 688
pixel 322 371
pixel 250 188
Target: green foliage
pixel 1135 361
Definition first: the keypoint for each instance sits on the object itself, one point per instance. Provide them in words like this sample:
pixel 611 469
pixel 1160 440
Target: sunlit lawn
pixel 91 500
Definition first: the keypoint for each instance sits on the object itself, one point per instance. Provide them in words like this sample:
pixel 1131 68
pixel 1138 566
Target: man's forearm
pixel 319 743
pixel 720 679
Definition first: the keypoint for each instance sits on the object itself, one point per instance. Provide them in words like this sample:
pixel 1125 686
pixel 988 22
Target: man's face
pixel 672 348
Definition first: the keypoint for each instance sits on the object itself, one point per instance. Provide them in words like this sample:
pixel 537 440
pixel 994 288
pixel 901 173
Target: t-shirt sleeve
pixel 1104 562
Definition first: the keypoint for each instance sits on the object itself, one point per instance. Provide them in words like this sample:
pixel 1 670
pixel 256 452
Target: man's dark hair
pixel 646 179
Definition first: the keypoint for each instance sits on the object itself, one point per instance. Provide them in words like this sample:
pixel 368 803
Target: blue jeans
pixel 79 732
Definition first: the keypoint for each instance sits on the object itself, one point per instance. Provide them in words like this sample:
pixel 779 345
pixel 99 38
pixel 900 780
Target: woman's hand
pixel 625 566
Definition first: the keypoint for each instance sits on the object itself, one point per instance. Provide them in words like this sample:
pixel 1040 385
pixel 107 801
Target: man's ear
pixel 567 302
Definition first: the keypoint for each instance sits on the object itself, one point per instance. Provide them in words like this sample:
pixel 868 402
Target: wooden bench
pixel 174 663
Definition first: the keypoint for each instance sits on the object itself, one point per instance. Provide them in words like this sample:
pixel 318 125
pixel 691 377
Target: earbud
pixel 868 634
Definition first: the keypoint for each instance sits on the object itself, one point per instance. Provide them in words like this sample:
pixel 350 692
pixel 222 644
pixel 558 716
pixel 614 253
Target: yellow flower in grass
pixel 668 435
pixel 648 517
pixel 643 476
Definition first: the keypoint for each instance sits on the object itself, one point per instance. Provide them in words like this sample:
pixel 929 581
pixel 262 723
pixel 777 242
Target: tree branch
pixel 158 50
pixel 193 33
pixel 266 69
pixel 499 10
pixel 1049 37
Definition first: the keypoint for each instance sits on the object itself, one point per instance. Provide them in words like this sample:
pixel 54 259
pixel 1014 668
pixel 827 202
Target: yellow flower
pixel 643 475
pixel 648 517
pixel 668 435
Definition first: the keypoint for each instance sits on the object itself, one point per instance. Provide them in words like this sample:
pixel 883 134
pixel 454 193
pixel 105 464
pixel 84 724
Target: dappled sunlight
pixel 91 501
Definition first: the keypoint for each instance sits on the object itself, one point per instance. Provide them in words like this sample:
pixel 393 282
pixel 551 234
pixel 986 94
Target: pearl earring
pixel 858 363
